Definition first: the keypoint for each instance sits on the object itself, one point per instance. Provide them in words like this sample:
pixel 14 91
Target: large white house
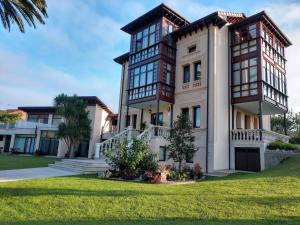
pixel 225 71
pixel 37 131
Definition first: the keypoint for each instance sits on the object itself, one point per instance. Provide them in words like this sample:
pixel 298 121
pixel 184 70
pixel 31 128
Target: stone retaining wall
pixel 274 157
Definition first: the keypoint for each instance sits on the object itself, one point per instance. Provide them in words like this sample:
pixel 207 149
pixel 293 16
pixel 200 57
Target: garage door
pixel 247 159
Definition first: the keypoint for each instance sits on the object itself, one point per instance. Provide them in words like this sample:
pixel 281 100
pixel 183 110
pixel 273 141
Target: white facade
pixel 32 136
pixel 218 136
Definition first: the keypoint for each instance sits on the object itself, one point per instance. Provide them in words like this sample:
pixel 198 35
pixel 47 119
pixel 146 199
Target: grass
pixel 270 197
pixel 8 162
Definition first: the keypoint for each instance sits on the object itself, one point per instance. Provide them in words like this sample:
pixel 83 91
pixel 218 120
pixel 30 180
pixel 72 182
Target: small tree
pixel 7 117
pixel 76 126
pixel 181 141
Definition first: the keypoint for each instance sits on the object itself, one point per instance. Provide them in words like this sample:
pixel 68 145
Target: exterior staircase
pixel 147 135
pixel 82 166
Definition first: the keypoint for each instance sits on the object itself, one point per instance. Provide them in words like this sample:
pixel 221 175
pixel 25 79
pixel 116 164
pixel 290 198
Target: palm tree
pixel 14 11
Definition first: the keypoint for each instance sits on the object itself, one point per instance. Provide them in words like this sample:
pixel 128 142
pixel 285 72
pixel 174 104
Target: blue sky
pixel 74 51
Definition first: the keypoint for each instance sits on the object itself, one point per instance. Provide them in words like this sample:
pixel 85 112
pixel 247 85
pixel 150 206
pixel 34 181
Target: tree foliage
pixel 6 117
pixel 292 123
pixel 181 141
pixel 76 126
pixel 15 11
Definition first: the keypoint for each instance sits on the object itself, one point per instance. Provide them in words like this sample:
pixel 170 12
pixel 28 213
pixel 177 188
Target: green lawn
pixel 8 162
pixel 270 197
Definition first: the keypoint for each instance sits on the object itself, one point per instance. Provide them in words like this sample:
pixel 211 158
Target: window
pixel 244 34
pixel 197 72
pixel 160 118
pixel 192 49
pixel 197 115
pixel 185 112
pixel 162 153
pixel 127 121
pixel 245 77
pixel 142 80
pixel 134 117
pixel 145 38
pixel 168 73
pixel 186 74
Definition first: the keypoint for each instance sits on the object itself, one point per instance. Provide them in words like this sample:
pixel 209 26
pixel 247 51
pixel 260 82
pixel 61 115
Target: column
pixel 171 116
pixel 37 140
pixel 260 119
pixel 141 121
pixel 157 113
pixel 285 125
pixel 50 119
pixel 12 142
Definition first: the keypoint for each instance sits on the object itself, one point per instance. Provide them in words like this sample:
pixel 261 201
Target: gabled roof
pixel 268 22
pixel 38 109
pixel 159 11
pixel 122 58
pixel 91 100
pixel 217 19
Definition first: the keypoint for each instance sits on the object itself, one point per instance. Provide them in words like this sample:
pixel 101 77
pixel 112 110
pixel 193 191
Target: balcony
pixel 256 136
pixel 27 125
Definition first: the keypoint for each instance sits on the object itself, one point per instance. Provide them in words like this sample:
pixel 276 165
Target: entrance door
pixel 247 159
pixel 7 143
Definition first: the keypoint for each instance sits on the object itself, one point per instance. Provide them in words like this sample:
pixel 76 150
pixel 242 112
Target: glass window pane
pixel 162 153
pixel 152 28
pixel 186 74
pixel 244 64
pixel 236 66
pixel 253 61
pixel 149 77
pixel 151 39
pixel 245 76
pixel 253 74
pixel 136 81
pixel 236 78
pixel 197 117
pixel 143 79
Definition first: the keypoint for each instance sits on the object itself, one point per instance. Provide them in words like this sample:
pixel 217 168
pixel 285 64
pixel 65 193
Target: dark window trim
pixel 195 71
pixel 188 78
pixel 134 121
pixel 194 116
pixel 192 48
pixel 165 153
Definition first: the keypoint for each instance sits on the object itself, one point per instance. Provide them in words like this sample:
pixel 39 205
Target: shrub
pixel 197 171
pixel 160 175
pixel 131 161
pixel 295 139
pixel 37 152
pixel 281 145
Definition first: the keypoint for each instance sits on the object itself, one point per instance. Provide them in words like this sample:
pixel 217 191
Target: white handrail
pixel 110 144
pixel 150 132
pixel 255 135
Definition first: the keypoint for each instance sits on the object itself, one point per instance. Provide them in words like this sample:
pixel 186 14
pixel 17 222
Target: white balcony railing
pixel 26 125
pixel 257 135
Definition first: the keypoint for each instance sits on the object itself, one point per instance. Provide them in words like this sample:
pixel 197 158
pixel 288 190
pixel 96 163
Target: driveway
pixel 32 173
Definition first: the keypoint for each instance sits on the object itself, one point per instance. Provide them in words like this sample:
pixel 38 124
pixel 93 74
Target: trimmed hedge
pixel 281 145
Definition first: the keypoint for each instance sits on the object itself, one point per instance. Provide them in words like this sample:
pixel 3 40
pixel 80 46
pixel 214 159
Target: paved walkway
pixel 27 174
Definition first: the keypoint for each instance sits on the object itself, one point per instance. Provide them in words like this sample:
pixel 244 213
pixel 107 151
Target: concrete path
pixel 27 174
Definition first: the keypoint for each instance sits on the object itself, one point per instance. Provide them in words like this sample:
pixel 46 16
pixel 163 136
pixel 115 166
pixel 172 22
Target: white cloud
pixel 23 85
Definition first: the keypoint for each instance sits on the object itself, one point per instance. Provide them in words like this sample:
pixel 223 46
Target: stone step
pixel 81 166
